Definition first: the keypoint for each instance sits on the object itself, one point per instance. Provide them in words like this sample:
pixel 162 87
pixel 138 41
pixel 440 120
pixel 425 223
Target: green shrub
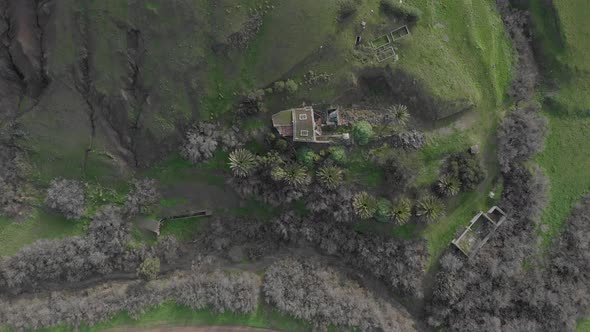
pixel 149 269
pixel 338 154
pixel 401 10
pixel 279 86
pixel 291 87
pixel 362 132
pixel 307 157
pixel 383 211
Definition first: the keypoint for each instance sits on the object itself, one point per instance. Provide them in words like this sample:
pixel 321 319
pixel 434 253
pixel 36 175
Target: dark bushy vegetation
pixel 401 10
pixel 199 289
pixel 103 250
pixel 275 180
pixel 466 168
pixel 242 39
pixel 251 103
pixel 525 192
pixel 142 197
pixel 203 139
pixel 410 140
pixel 521 136
pixel 13 194
pixel 399 263
pixel 400 171
pixel 518 23
pixel 67 197
pixel 347 8
pixel 506 289
pixel 309 291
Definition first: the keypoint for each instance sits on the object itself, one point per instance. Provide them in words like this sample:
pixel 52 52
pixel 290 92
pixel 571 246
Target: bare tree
pixel 67 197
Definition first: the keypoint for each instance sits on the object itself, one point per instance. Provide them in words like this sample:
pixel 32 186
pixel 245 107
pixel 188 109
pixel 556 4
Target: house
pixel 479 231
pixel 305 125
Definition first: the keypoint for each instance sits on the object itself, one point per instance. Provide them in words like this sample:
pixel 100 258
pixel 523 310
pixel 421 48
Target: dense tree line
pixel 13 188
pixel 101 251
pixel 198 289
pixel 518 24
pixel 398 263
pixel 310 291
pixel 521 136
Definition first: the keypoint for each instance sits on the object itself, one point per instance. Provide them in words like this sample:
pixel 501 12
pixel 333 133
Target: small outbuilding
pixel 153 226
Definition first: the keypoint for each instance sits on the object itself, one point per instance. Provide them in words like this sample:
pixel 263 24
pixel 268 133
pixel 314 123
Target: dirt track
pixel 191 329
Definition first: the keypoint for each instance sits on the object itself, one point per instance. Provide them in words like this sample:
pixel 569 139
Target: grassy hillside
pixel 564 45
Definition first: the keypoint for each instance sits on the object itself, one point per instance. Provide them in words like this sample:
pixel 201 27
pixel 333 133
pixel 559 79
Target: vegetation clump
pixel 320 295
pixel 521 136
pixel 330 177
pixel 364 205
pixel 464 168
pixel 67 197
pixel 383 211
pixel 142 197
pixel 401 10
pixel 337 154
pixel 430 208
pixel 307 157
pixel 398 114
pixel 203 139
pixel 289 86
pixel 401 211
pixel 347 8
pixel 242 162
pixel 362 132
pixel 148 270
pixel 292 173
pixel 448 186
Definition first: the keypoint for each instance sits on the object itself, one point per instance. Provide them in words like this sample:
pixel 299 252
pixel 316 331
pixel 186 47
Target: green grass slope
pixel 565 44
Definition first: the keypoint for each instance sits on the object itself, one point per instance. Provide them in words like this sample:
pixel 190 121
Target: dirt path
pixel 191 329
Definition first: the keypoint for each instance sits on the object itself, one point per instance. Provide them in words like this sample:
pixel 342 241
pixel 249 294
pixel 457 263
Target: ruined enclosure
pixel 385 53
pixel 400 33
pixel 479 231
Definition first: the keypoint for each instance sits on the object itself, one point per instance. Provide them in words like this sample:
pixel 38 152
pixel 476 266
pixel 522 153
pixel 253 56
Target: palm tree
pixel 330 176
pixel 430 208
pixel 242 162
pixel 401 211
pixel 364 205
pixel 401 114
pixel 448 186
pixel 293 174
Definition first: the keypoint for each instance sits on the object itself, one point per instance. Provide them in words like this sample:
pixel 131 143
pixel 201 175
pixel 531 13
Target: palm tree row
pixel 399 211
